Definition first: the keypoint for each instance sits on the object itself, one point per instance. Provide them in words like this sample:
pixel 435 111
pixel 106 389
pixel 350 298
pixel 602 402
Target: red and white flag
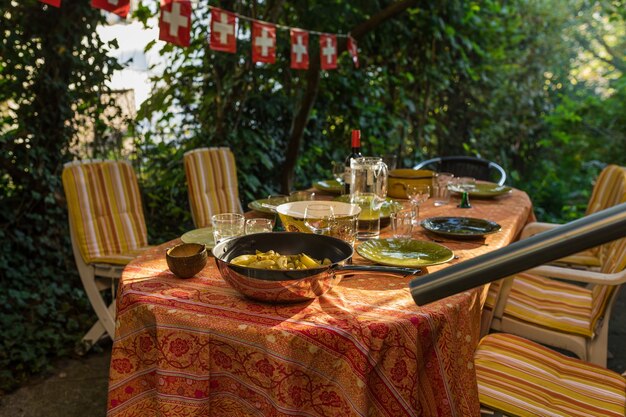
pixel 119 7
pixel 354 53
pixel 263 42
pixel 299 49
pixel 223 31
pixel 328 51
pixel 175 22
pixel 55 3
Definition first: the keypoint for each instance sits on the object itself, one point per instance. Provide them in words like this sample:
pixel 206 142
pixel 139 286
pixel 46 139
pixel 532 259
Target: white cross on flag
pixel 328 51
pixel 175 22
pixel 263 42
pixel 223 31
pixel 354 53
pixel 119 7
pixel 299 49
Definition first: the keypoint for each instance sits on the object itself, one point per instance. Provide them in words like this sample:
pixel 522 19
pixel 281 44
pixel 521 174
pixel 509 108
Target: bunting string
pixel 175 28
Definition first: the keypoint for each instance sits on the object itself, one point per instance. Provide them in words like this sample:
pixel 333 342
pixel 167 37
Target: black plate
pixel 460 226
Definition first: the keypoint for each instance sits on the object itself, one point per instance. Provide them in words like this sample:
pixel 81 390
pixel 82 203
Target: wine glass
pixel 339 172
pixel 417 193
pixel 465 184
pixel 319 218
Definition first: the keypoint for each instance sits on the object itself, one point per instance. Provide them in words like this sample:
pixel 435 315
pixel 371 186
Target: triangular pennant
pixel 354 53
pixel 223 34
pixel 299 49
pixel 328 51
pixel 119 7
pixel 55 3
pixel 263 42
pixel 175 22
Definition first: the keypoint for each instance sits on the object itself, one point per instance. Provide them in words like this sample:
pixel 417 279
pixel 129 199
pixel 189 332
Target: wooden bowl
pixel 186 259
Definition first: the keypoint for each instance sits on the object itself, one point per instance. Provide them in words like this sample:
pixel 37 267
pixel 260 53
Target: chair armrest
pixel 589 277
pixel 533 228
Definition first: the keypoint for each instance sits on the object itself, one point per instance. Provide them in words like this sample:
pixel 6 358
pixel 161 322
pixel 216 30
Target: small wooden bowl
pixel 187 259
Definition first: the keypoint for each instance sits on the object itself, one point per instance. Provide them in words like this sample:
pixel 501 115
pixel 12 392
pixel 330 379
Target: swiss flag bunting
pixel 299 49
pixel 223 31
pixel 55 3
pixel 119 7
pixel 328 51
pixel 175 22
pixel 352 48
pixel 263 42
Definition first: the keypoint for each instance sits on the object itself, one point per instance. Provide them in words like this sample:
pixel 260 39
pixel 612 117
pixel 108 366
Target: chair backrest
pixel 609 189
pixel 105 208
pixel 212 183
pixel 467 166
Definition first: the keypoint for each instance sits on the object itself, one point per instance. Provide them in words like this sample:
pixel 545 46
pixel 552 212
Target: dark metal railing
pixel 576 236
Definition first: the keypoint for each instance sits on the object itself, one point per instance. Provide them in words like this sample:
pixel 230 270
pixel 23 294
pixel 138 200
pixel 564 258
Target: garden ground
pixel 78 387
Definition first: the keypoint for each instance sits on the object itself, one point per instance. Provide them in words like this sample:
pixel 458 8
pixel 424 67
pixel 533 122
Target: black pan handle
pixel 390 271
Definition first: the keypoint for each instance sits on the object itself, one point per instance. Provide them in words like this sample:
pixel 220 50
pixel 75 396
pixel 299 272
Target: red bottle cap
pixel 356 138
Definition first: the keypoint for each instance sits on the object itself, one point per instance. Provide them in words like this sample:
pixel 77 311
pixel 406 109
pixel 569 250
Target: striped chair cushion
pixel 105 209
pixel 608 190
pixel 522 378
pixel 556 304
pixel 212 183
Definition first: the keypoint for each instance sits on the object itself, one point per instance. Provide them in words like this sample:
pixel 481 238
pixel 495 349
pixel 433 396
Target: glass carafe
pixel 368 189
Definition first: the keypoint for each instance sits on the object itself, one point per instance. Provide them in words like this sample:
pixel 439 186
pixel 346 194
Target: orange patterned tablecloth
pixel 195 347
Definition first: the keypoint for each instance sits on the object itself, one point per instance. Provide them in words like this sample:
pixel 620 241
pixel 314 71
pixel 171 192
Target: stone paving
pixel 78 387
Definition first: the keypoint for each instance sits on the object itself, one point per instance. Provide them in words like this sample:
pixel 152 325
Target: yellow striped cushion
pixel 522 378
pixel 556 304
pixel 105 209
pixel 212 184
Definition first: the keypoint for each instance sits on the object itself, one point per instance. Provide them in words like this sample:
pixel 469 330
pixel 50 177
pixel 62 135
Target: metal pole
pixel 587 232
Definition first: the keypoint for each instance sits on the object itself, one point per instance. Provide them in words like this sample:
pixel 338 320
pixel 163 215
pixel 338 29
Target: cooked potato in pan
pixel 274 260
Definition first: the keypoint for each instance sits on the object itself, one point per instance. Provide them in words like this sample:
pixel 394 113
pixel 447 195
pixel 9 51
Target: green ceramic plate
pixel 389 206
pixel 404 252
pixel 202 236
pixel 460 226
pixel 330 186
pixel 265 205
pixel 485 190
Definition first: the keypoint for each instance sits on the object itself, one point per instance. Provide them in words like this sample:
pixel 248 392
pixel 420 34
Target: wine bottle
pixel 356 153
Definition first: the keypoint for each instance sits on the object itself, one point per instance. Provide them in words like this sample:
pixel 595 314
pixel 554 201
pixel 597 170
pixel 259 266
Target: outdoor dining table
pixel 196 347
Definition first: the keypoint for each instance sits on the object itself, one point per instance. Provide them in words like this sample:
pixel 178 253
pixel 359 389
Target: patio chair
pixel 212 183
pixel 107 230
pixel 548 305
pixel 609 190
pixel 517 377
pixel 466 166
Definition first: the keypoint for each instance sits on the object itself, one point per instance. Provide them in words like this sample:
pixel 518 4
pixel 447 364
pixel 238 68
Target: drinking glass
pixel 402 223
pixel 301 196
pixel 441 190
pixel 465 184
pixel 227 225
pixel 259 225
pixel 417 193
pixel 319 218
pixel 339 172
pixel 345 225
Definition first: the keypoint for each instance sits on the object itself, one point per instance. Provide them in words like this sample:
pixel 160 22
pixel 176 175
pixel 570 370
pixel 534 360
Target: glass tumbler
pixel 227 225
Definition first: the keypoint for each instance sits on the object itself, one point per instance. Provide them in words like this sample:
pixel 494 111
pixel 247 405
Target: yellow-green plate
pixel 267 205
pixel 202 236
pixel 485 190
pixel 404 252
pixel 330 186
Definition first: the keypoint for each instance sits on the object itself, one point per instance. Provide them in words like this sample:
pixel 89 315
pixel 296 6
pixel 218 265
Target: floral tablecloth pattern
pixel 196 347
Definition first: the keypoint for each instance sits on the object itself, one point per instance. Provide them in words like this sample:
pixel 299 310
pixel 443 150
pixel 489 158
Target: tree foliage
pixel 52 69
pixel 509 81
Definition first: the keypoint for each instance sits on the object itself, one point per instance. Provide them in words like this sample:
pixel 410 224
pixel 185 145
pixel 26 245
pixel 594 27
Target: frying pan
pixel 290 286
